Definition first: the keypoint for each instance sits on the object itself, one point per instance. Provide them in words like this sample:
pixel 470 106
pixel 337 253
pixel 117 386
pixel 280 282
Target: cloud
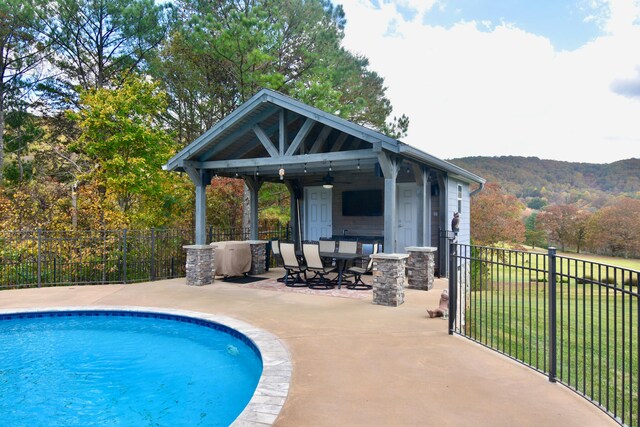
pixel 472 90
pixel 627 87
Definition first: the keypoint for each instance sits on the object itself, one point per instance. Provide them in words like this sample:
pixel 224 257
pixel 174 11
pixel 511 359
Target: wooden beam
pixel 389 165
pixel 283 136
pixel 284 160
pixel 320 140
pixel 227 141
pixel 417 172
pixel 193 173
pixel 337 146
pixel 300 136
pixel 266 142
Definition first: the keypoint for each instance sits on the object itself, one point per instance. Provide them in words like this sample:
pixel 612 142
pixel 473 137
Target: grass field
pixel 505 266
pixel 598 322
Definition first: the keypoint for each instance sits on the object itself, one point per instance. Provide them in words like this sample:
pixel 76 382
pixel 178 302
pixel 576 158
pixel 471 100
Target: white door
pixel 317 217
pixel 407 234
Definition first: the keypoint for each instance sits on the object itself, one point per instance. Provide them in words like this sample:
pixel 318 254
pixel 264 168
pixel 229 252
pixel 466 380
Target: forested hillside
pixel 575 206
pixel 557 182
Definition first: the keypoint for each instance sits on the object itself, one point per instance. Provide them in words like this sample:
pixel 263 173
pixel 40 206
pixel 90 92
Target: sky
pixel 554 79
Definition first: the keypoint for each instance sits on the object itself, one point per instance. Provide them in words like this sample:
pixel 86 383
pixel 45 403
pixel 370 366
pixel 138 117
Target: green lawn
pixel 598 334
pixel 507 266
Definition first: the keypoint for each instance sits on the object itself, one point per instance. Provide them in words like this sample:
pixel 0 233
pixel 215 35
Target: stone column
pixel 388 278
pixel 258 256
pixel 199 264
pixel 420 266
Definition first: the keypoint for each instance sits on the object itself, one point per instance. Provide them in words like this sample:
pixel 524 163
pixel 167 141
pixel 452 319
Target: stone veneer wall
pixel 420 267
pixel 258 256
pixel 199 266
pixel 388 279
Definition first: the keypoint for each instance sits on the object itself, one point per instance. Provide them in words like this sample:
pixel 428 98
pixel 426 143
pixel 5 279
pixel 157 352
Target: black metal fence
pixel 574 320
pixel 35 258
pixel 214 234
pixel 53 258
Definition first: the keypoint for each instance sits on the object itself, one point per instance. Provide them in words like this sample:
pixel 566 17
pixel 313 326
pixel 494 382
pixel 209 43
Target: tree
pixel 537 203
pixel 218 55
pixel 20 53
pixel 96 43
pixel 615 229
pixel 121 134
pixel 559 222
pixel 580 228
pixel 533 235
pixel 496 217
pixel 21 131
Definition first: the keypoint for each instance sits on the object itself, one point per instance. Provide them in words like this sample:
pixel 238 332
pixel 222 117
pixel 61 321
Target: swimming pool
pixel 97 367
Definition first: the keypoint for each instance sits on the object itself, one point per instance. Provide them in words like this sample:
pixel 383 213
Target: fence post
pixel 453 286
pixel 39 257
pixel 210 233
pixel 153 254
pixel 552 316
pixel 124 255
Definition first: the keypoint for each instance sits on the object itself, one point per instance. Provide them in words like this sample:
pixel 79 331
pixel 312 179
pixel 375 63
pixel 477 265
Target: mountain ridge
pixel 558 181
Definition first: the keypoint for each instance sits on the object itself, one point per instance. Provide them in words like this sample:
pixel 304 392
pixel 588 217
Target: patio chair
pixel 292 266
pixel 275 248
pixel 367 249
pixel 348 246
pixel 327 246
pixel 311 253
pixel 357 272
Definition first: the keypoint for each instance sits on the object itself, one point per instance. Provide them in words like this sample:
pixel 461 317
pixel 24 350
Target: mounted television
pixel 362 203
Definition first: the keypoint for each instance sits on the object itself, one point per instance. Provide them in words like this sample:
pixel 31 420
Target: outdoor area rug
pixel 274 285
pixel 243 279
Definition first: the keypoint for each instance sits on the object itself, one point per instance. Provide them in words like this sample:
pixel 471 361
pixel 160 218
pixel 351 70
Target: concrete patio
pixel 359 364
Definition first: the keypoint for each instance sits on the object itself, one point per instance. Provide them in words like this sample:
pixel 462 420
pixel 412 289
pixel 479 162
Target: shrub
pixel 587 278
pixel 631 281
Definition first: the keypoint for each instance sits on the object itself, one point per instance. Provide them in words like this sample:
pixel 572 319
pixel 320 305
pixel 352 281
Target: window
pixel 459 198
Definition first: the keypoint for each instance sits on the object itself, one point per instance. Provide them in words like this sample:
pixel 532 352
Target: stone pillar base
pixel 258 256
pixel 388 279
pixel 199 264
pixel 420 267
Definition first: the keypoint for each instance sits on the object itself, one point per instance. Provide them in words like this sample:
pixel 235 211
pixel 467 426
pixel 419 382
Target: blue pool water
pixel 120 369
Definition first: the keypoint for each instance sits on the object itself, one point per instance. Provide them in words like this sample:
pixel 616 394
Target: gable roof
pixel 264 126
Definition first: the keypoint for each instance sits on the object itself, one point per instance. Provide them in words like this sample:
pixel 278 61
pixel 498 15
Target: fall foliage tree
pixel 615 229
pixel 496 217
pixel 564 225
pixel 122 137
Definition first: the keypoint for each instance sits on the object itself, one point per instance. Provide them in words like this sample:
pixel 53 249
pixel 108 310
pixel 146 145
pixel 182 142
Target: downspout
pixel 477 190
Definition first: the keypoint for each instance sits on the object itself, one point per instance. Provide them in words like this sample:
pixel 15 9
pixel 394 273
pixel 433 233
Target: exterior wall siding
pixel 372 226
pixel 464 236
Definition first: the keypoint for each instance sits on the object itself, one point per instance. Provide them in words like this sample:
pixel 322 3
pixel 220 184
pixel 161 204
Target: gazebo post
pixel 390 167
pixel 294 195
pixel 254 185
pixel 426 208
pixel 201 178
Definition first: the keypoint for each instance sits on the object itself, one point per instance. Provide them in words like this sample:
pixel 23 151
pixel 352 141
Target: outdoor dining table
pixel 341 261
